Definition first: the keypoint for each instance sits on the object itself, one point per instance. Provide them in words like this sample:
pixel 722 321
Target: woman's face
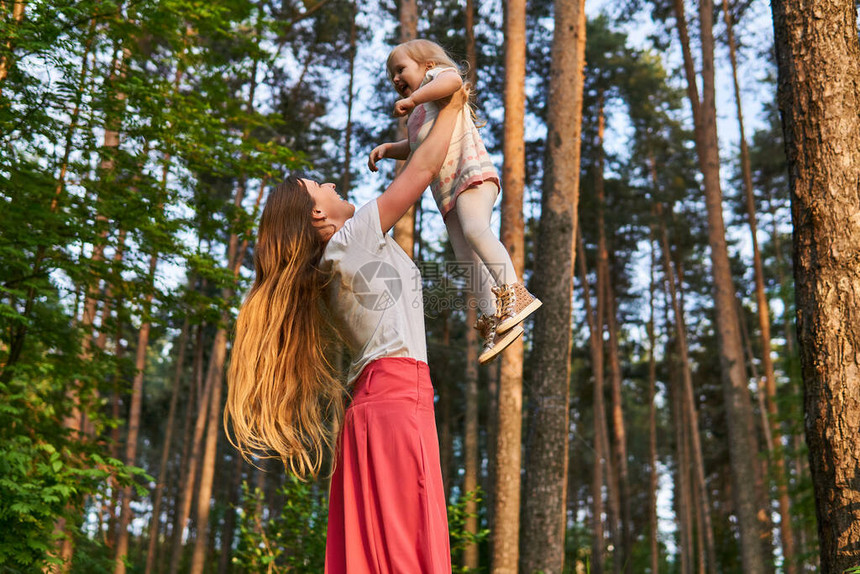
pixel 406 73
pixel 330 210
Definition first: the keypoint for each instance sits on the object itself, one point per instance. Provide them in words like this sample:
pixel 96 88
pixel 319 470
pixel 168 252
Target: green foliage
pixel 460 537
pixel 293 540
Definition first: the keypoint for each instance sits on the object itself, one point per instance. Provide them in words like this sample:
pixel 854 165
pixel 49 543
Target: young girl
pixel 465 188
pixel 314 250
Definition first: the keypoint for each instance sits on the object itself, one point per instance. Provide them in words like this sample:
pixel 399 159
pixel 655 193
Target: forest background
pixel 650 420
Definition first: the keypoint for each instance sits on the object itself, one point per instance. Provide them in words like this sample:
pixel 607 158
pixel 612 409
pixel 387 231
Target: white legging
pixel 476 246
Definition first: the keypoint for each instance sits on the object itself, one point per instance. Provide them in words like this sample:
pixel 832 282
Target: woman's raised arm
pixel 423 166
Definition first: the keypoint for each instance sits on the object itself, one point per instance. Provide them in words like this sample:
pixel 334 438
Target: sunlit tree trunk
pixel 737 401
pixel 652 416
pixel 346 178
pixel 775 450
pixel 687 396
pixel 818 56
pixel 134 421
pixel 165 450
pixel 404 229
pixel 594 318
pixel 6 61
pixel 508 459
pixel 471 454
pixel 545 508
pixel 214 379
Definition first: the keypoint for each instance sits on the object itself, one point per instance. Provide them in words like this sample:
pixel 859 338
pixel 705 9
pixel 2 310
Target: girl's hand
pixel 377 154
pixel 403 107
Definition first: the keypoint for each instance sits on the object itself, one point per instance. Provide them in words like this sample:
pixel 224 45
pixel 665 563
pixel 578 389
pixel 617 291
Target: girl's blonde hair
pixel 283 398
pixel 428 52
pixel 424 52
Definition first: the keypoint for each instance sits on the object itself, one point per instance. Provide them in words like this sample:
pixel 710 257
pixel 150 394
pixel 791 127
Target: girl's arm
pixel 393 150
pixel 423 166
pixel 442 86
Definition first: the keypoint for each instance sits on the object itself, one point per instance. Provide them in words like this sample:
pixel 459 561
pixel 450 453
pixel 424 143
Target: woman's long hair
pixel 283 399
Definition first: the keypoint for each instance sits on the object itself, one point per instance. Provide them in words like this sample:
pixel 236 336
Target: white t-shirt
pixel 375 294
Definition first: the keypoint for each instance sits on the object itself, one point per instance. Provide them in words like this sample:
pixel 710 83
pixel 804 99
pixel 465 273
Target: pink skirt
pixel 387 511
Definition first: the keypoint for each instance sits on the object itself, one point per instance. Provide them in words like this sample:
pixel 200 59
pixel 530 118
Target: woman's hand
pixel 377 154
pixel 455 101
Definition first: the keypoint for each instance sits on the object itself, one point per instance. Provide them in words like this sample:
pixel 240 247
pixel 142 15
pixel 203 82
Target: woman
pixel 316 255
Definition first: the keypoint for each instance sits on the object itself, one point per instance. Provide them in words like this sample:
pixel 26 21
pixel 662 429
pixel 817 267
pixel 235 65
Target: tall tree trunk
pixel 652 415
pixel 594 318
pixel 6 61
pixel 470 436
pixel 228 532
pixel 134 420
pixel 471 455
pixel 165 449
pixel 604 298
pixel 508 460
pixel 346 178
pixel 818 56
pixel 737 401
pixel 404 229
pixel 187 484
pixel 214 378
pixel 445 414
pixel 688 400
pixel 777 457
pixel 545 508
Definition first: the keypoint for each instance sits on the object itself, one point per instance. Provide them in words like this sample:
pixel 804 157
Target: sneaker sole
pixel 519 317
pixel 509 337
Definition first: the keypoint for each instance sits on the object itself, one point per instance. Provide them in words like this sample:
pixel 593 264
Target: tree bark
pixel 594 318
pixel 777 457
pixel 471 455
pixel 545 509
pixel 214 379
pixel 134 421
pixel 346 178
pixel 688 400
pixel 818 56
pixel 508 459
pixel 737 401
pixel 652 416
pixel 5 62
pixel 165 450
pixel 404 229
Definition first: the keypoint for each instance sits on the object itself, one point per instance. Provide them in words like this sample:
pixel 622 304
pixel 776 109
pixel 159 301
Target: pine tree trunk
pixel 594 318
pixel 165 449
pixel 471 454
pixel 818 56
pixel 688 400
pixel 775 451
pixel 187 488
pixel 652 418
pixel 134 422
pixel 5 61
pixel 404 229
pixel 346 178
pixel 445 415
pixel 228 532
pixel 737 402
pixel 508 459
pixel 214 379
pixel 545 508
pixel 470 436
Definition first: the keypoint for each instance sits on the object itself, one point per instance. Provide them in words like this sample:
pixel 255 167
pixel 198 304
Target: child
pixel 465 189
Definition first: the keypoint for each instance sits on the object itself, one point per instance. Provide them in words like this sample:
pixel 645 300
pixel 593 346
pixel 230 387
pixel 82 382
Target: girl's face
pixel 406 73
